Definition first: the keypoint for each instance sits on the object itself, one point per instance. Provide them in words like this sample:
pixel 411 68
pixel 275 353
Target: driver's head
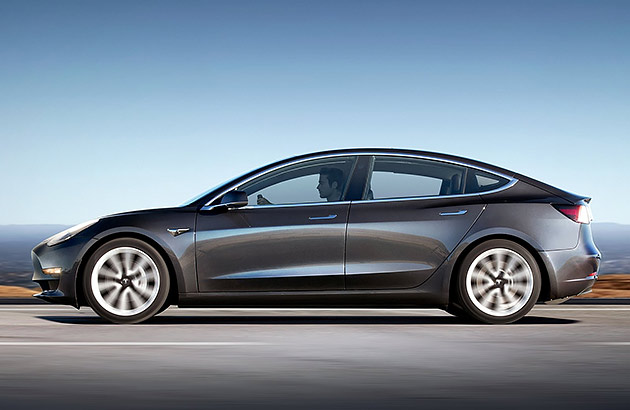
pixel 330 181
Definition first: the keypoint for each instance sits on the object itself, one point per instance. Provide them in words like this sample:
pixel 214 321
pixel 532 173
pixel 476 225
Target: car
pixel 358 228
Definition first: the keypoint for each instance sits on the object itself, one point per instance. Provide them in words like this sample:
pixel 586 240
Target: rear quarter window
pixel 480 181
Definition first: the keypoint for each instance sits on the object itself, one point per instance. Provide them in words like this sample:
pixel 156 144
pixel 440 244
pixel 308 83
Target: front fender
pixel 178 253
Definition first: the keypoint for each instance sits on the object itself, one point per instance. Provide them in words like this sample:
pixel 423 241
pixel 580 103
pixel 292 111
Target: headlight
pixel 69 233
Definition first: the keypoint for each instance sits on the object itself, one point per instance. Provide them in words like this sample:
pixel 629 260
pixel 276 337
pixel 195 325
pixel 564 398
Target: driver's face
pixel 324 187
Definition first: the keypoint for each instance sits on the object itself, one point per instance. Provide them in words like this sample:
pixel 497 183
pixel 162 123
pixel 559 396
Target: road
pixel 567 356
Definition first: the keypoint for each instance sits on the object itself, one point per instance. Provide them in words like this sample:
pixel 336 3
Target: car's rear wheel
pixel 499 282
pixel 126 281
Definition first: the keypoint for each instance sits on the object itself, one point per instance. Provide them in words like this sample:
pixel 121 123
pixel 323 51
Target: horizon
pixel 117 106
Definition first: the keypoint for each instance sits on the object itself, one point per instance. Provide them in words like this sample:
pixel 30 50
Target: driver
pixel 329 186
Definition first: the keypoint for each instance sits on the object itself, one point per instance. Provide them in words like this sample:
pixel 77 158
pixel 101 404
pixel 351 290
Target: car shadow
pixel 304 320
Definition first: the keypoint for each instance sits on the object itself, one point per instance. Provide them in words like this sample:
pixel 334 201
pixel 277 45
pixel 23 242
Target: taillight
pixel 577 213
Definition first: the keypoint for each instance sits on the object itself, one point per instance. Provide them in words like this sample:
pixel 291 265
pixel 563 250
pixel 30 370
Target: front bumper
pixel 58 288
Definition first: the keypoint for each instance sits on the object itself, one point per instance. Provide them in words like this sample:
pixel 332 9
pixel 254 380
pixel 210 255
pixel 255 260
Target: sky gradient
pixel 112 106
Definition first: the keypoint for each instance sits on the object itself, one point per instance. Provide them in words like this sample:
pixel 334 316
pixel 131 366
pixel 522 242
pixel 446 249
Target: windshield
pixel 199 196
pixel 211 190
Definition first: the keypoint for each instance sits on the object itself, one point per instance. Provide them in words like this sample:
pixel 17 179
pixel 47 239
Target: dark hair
pixel 333 175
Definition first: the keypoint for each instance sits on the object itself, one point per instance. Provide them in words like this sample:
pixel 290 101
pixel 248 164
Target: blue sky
pixel 111 106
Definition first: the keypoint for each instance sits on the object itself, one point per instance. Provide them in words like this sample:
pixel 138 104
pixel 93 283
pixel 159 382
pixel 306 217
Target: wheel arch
pixel 172 272
pixel 545 290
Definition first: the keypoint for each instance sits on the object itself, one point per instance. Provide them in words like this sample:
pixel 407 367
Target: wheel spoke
pixel 522 279
pixel 511 296
pixel 499 261
pixel 123 300
pixel 511 264
pixel 107 286
pixel 480 292
pixel 136 272
pixel 519 292
pixel 112 297
pixel 142 292
pixel 117 263
pixel 493 301
pixel 135 298
pixel 507 299
pixel 500 300
pixel 487 298
pixel 482 276
pixel 107 273
pixel 128 258
pixel 488 267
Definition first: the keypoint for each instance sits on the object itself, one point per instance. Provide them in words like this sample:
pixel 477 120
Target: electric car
pixel 343 228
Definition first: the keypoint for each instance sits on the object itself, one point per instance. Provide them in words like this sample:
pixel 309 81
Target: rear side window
pixel 481 181
pixel 402 177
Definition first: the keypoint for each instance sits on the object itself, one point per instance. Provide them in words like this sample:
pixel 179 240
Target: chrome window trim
pixel 373 153
pixel 294 205
pixel 448 161
pixel 417 198
pixel 346 154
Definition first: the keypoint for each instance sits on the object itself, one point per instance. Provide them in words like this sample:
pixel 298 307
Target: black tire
pixel 165 306
pixel 126 281
pixel 498 282
pixel 456 310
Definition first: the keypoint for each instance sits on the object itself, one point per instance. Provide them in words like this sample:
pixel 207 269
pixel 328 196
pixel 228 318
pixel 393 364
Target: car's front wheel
pixel 499 282
pixel 126 281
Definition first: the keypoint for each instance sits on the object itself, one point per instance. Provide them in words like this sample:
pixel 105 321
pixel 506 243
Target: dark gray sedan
pixel 351 228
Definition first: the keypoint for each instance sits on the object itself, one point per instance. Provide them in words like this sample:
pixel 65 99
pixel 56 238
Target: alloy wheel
pixel 125 281
pixel 499 282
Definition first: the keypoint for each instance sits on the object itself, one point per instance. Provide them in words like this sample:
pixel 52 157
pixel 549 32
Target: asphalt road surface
pixel 566 356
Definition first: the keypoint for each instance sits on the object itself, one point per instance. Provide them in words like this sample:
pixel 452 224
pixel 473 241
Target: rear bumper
pixel 573 271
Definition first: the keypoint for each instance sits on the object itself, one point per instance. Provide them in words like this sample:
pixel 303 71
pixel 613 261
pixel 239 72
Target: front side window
pixel 319 180
pixel 404 177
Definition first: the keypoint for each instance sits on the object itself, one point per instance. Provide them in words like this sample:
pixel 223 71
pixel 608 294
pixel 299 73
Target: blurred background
pixel 118 105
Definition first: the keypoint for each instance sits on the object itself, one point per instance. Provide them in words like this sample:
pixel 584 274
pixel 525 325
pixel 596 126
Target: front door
pixel 290 236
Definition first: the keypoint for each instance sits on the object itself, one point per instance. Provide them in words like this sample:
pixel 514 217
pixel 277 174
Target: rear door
pixel 412 215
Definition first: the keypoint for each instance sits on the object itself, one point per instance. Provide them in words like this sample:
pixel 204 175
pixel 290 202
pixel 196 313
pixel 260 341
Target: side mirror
pixel 231 200
pixel 234 199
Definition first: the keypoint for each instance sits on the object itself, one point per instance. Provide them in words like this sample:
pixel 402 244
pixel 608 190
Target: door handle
pixel 460 212
pixel 319 218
